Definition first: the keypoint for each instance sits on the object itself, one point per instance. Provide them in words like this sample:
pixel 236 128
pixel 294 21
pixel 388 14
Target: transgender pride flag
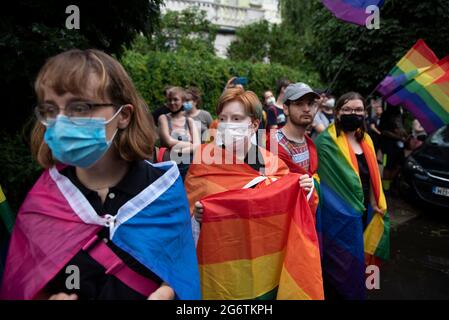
pixel 352 11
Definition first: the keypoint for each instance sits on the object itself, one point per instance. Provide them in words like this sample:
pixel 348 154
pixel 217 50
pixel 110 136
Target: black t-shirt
pixel 158 112
pixel 275 117
pixel 255 160
pixel 365 179
pixel 94 283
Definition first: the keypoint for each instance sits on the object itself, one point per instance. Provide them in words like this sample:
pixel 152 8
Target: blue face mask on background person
pixel 81 144
pixel 187 106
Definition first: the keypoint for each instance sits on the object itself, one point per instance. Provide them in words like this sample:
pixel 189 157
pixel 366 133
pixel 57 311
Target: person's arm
pixel 319 127
pixel 166 138
pixel 373 127
pixel 391 134
pixel 373 202
pixel 195 133
pixel 229 84
pixel 208 119
pixel 318 124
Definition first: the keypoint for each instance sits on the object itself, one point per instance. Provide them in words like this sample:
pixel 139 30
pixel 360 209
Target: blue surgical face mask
pixel 187 106
pixel 81 144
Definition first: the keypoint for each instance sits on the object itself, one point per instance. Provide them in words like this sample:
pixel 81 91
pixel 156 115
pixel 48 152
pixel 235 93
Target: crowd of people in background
pixel 113 172
pixel 384 124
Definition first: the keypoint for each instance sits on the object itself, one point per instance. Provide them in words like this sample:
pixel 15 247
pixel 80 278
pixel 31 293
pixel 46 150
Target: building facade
pixel 229 15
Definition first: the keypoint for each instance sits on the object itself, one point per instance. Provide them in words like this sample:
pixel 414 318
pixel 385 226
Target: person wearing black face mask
pixel 350 116
pixel 352 201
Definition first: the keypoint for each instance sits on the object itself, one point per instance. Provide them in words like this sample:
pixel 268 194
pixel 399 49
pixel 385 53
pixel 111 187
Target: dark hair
pixel 281 83
pixel 177 91
pixel 360 133
pixel 196 95
pixel 166 90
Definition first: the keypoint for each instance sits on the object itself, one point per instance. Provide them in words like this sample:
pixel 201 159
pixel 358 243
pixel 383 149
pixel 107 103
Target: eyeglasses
pixel 77 112
pixel 348 110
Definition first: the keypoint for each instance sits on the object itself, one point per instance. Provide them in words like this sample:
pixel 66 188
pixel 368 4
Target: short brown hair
pixel 249 99
pixel 177 91
pixel 69 71
pixel 360 133
pixel 196 95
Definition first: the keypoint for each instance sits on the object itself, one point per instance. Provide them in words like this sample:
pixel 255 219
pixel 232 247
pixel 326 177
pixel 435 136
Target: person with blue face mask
pixel 99 205
pixel 177 130
pixel 78 139
pixel 202 118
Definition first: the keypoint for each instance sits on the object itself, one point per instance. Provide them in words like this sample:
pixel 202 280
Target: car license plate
pixel 441 191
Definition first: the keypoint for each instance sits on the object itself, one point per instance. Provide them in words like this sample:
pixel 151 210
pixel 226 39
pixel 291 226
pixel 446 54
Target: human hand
pixel 198 211
pixel 306 182
pixel 63 296
pixel 164 292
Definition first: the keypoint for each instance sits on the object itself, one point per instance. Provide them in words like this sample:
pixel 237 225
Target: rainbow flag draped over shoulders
pixel 426 96
pixel 418 59
pixel 254 243
pixel 352 11
pixel 346 246
pixel 214 170
pixel 260 244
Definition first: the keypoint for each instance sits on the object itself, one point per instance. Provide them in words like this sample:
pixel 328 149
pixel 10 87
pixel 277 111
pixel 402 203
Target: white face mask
pixel 330 103
pixel 229 133
pixel 270 101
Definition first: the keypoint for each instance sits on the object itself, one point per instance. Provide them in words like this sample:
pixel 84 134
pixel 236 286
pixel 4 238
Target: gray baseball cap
pixel 297 90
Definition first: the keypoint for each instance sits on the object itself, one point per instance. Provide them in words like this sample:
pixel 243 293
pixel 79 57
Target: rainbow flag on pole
pixel 260 244
pixel 426 96
pixel 417 60
pixel 346 245
pixel 352 11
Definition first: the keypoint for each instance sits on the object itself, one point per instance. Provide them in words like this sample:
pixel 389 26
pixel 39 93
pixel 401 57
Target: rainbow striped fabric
pixel 352 11
pixel 346 246
pixel 426 96
pixel 419 82
pixel 260 244
pixel 418 59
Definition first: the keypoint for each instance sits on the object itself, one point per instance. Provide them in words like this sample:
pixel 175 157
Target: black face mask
pixel 351 122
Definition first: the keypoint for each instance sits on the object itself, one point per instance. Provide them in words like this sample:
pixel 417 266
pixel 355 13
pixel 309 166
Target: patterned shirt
pixel 299 152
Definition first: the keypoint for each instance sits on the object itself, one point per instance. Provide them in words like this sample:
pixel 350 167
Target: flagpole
pixel 344 62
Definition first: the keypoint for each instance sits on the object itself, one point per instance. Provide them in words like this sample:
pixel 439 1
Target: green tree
pixel 366 56
pixel 181 31
pixel 262 40
pixel 30 33
pixel 297 15
pixel 152 71
pixel 251 43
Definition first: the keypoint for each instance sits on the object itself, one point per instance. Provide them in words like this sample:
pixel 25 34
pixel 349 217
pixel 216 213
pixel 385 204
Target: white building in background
pixel 229 15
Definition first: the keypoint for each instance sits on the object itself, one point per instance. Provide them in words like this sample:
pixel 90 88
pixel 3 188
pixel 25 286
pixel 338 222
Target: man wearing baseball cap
pixel 294 147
